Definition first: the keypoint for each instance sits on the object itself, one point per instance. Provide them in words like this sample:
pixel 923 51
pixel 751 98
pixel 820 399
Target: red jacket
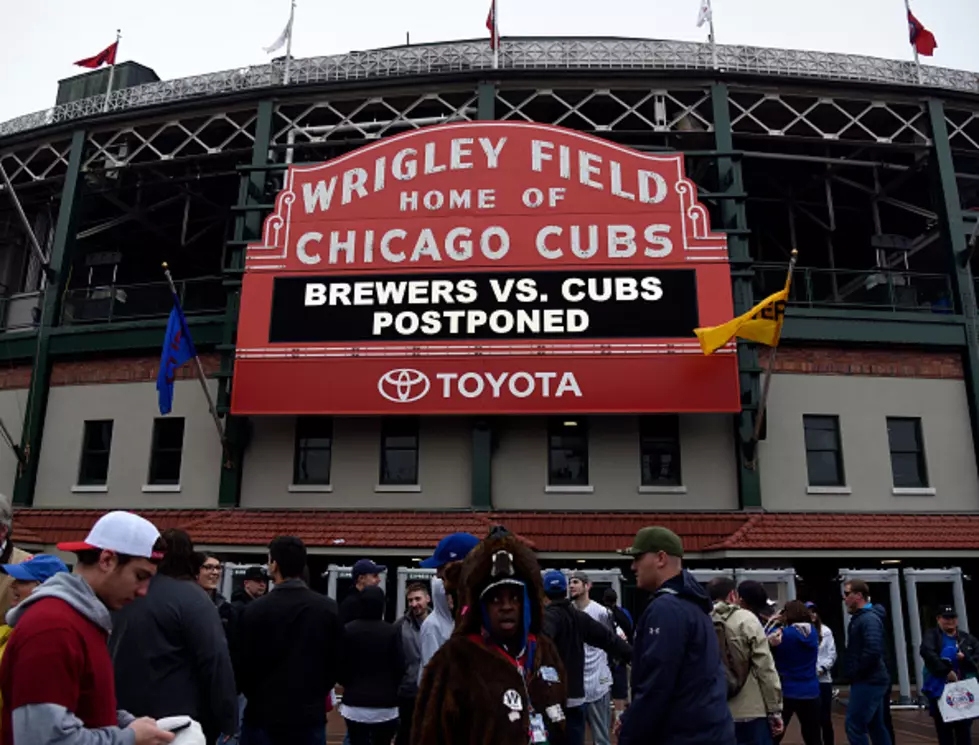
pixel 58 656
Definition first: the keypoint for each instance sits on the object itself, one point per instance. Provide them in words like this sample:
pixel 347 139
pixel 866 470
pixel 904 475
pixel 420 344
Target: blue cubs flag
pixel 178 347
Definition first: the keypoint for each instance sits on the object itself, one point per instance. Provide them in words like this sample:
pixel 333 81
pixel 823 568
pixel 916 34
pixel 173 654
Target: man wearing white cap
pixel 65 685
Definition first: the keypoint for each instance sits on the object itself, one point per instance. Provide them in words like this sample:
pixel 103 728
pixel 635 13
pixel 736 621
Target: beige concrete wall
pixel 444 466
pixel 132 406
pixel 706 456
pixel 863 405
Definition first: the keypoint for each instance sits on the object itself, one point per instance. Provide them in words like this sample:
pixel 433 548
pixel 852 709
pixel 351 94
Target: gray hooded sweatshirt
pixel 51 724
pixel 437 627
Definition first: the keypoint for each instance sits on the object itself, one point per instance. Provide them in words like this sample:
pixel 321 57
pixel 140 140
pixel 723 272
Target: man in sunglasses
pixel 865 668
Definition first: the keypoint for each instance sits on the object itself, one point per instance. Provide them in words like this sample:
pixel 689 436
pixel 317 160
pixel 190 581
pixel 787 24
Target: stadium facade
pixel 868 461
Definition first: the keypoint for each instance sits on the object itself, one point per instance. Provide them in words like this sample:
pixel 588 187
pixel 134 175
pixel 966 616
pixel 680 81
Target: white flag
pixel 705 15
pixel 276 45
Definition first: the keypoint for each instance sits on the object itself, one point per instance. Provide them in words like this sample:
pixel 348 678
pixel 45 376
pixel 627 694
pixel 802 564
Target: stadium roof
pixel 517 53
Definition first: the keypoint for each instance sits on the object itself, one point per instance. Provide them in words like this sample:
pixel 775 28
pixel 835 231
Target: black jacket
pixel 866 647
pixel 570 629
pixel 931 653
pixel 372 663
pixel 679 692
pixel 287 656
pixel 170 657
pixel 350 606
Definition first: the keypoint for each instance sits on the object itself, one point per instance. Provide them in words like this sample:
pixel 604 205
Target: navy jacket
pixel 679 692
pixel 865 651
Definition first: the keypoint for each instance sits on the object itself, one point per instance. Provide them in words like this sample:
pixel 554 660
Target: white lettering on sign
pixel 589 169
pixel 518 384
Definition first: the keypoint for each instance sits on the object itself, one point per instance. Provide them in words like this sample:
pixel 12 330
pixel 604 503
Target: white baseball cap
pixel 122 532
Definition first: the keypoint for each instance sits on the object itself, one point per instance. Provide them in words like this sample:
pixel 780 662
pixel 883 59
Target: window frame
pixel 399 426
pixel 155 449
pixel 298 449
pixel 925 480
pixel 582 430
pixel 672 438
pixel 87 452
pixel 840 461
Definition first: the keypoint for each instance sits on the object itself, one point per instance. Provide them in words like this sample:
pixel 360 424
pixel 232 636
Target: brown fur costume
pixel 461 698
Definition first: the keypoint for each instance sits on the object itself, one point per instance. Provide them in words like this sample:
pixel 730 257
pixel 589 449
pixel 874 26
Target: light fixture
pixel 416 560
pixel 890 561
pixel 571 423
pixel 580 561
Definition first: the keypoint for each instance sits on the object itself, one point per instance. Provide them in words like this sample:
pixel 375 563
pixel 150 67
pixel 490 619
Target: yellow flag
pixel 762 324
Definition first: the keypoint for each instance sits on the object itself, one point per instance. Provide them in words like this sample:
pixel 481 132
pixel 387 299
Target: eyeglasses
pixel 211 568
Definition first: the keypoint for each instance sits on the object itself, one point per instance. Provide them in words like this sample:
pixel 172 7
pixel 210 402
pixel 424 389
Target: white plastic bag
pixel 187 730
pixel 960 700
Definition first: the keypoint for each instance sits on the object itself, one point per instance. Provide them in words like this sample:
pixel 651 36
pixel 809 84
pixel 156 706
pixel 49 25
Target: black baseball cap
pixel 947 611
pixel 366 566
pixel 258 574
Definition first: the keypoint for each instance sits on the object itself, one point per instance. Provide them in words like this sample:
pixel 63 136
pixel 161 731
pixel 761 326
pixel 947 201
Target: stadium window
pixel 167 451
pixel 96 444
pixel 399 451
pixel 824 456
pixel 659 450
pixel 907 453
pixel 314 450
pixel 567 452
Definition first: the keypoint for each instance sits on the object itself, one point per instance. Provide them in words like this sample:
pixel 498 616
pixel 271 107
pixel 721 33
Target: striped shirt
pixel 598 677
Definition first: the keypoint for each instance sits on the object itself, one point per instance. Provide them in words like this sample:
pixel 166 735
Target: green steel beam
pixel 248 227
pixel 132 336
pixel 949 208
pixel 486 101
pixel 884 327
pixel 60 259
pixel 735 223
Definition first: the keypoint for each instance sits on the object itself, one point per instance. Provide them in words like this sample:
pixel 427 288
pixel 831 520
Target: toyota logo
pixel 404 385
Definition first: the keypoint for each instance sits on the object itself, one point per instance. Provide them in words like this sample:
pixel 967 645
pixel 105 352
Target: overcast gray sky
pixel 190 37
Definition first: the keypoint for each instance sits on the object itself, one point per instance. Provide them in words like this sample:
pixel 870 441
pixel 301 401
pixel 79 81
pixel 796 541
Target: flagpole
pixel 917 58
pixel 713 40
pixel 496 35
pixel 766 385
pixel 112 72
pixel 292 16
pixel 197 363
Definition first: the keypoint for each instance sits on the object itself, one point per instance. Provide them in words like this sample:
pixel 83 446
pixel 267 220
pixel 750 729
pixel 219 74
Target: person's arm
pixel 430 645
pixel 49 671
pixel 601 636
pixel 437 714
pixel 828 658
pixel 759 655
pixel 871 652
pixel 205 637
pixel 655 670
pixel 931 655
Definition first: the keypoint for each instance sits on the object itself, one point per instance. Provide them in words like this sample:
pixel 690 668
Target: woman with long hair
pixel 795 648
pixel 824 671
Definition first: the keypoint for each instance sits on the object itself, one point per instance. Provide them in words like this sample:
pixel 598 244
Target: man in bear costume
pixel 497 681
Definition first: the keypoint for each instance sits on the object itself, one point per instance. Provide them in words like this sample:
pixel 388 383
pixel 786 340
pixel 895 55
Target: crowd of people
pixel 137 646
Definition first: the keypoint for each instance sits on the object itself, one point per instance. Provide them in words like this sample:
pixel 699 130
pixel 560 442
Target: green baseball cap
pixel 653 539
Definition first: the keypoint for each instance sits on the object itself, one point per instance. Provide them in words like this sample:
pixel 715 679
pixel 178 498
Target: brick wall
pixel 875 362
pixel 16 376
pixel 124 370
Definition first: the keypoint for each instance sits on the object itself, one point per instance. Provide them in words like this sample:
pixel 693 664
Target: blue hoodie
pixel 865 650
pixel 679 689
pixel 795 660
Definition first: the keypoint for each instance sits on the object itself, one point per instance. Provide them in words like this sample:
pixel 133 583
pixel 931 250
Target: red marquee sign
pixel 485 267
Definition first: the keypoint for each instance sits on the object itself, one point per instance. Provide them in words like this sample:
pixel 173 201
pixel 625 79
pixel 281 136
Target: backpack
pixel 736 669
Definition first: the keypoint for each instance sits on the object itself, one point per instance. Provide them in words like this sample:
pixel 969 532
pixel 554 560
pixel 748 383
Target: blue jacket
pixel 865 651
pixel 795 660
pixel 679 692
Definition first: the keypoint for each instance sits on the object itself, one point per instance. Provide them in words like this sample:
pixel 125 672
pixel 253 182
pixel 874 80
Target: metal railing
pixel 517 53
pixel 869 289
pixel 110 303
pixel 20 312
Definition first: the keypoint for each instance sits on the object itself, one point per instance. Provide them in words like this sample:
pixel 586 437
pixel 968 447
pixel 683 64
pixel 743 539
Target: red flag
pixel 106 57
pixel 922 39
pixel 491 26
